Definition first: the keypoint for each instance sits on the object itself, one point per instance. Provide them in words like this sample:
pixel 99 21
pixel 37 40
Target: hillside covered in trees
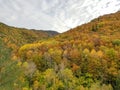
pixel 76 59
pixel 84 58
pixel 11 39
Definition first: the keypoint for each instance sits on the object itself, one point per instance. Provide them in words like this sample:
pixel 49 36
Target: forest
pixel 84 58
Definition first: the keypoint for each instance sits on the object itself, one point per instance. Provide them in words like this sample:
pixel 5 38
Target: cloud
pixel 59 15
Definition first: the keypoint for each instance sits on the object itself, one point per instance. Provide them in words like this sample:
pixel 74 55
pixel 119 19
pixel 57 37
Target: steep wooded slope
pixel 92 48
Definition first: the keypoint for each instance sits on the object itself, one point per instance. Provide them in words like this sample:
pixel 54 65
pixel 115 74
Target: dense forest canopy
pixel 84 58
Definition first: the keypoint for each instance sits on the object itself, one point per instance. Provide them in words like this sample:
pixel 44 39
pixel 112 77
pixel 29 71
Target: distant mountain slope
pixel 52 33
pixel 106 25
pixel 22 35
pixel 92 48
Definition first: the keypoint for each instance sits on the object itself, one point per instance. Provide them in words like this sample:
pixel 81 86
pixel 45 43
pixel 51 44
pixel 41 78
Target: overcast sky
pixel 58 15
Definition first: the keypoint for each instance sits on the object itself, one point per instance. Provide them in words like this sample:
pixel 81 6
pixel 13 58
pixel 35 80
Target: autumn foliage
pixel 84 58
